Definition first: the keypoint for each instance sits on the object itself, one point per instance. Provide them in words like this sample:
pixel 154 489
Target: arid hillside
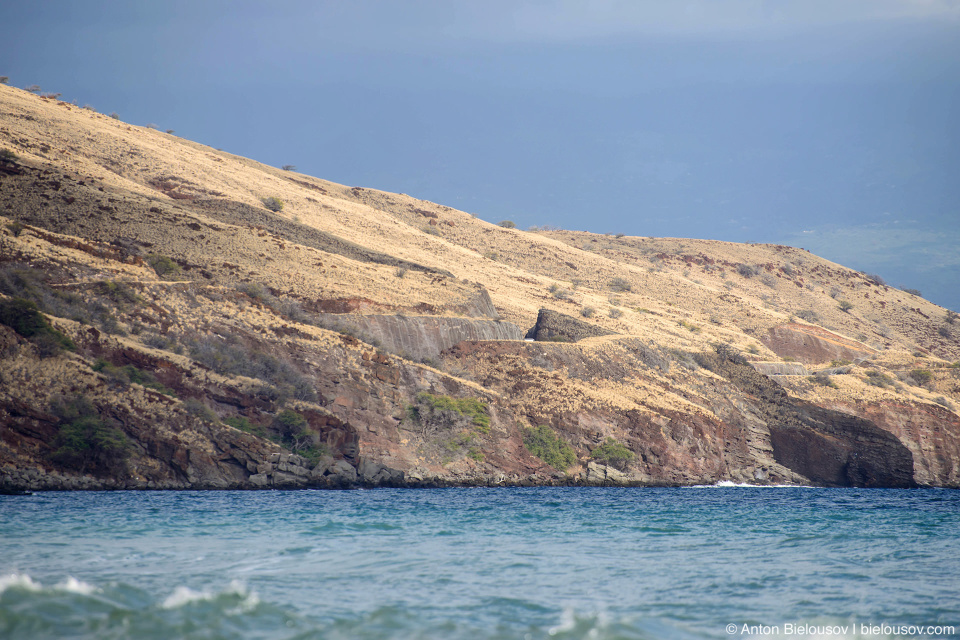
pixel 173 316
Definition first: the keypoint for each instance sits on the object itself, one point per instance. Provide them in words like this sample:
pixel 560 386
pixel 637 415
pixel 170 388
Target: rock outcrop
pixel 813 345
pixel 780 368
pixel 558 327
pixel 421 337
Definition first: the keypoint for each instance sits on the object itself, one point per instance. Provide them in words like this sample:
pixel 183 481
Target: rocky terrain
pixel 173 316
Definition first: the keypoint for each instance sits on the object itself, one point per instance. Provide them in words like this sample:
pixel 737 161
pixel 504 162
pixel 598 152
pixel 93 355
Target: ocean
pixel 517 563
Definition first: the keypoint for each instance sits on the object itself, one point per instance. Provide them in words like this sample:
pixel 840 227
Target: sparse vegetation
pixel 613 454
pixel 400 272
pixel 845 305
pixel 823 380
pixel 289 167
pixel 913 292
pixel 199 409
pixel 243 424
pixel 273 203
pixel 15 228
pixel 228 356
pixel 922 376
pixel 587 312
pixel 688 326
pixel 620 285
pixel 119 293
pixel 746 270
pixel 878 379
pixel 809 315
pixel 8 157
pixel 543 442
pixel 128 374
pixel 614 312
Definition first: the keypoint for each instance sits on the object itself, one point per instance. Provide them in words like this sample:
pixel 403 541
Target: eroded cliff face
pixel 421 337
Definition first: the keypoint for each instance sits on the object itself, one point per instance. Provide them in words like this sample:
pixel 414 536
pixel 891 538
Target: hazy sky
pixel 832 125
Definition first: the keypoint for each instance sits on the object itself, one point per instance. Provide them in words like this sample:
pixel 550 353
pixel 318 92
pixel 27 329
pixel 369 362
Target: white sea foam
pixel 23 581
pixel 182 596
pixel 724 484
pixel 20 580
pixel 185 595
pixel 72 585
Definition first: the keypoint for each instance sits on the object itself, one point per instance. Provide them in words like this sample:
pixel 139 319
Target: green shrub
pixel 613 454
pixel 845 305
pixel 587 312
pixel 443 410
pixel 85 441
pixel 295 431
pixel 822 380
pixel 809 315
pixel 614 313
pixel 196 407
pixel 922 376
pixel 16 228
pixel 243 424
pixel 544 443
pixel 128 374
pixel 877 379
pixel 118 292
pixel 273 204
pixel 23 317
pixel 7 156
pixel 163 266
pixel 507 224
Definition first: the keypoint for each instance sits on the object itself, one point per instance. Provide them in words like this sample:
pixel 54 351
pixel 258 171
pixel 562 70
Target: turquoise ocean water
pixel 481 563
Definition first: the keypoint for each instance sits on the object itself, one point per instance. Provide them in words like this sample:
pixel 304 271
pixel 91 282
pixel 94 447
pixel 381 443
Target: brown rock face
pixel 828 447
pixel 559 327
pixel 422 337
pixel 813 345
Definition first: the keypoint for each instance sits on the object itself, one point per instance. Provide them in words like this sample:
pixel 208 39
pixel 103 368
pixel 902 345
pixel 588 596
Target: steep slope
pixel 236 325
